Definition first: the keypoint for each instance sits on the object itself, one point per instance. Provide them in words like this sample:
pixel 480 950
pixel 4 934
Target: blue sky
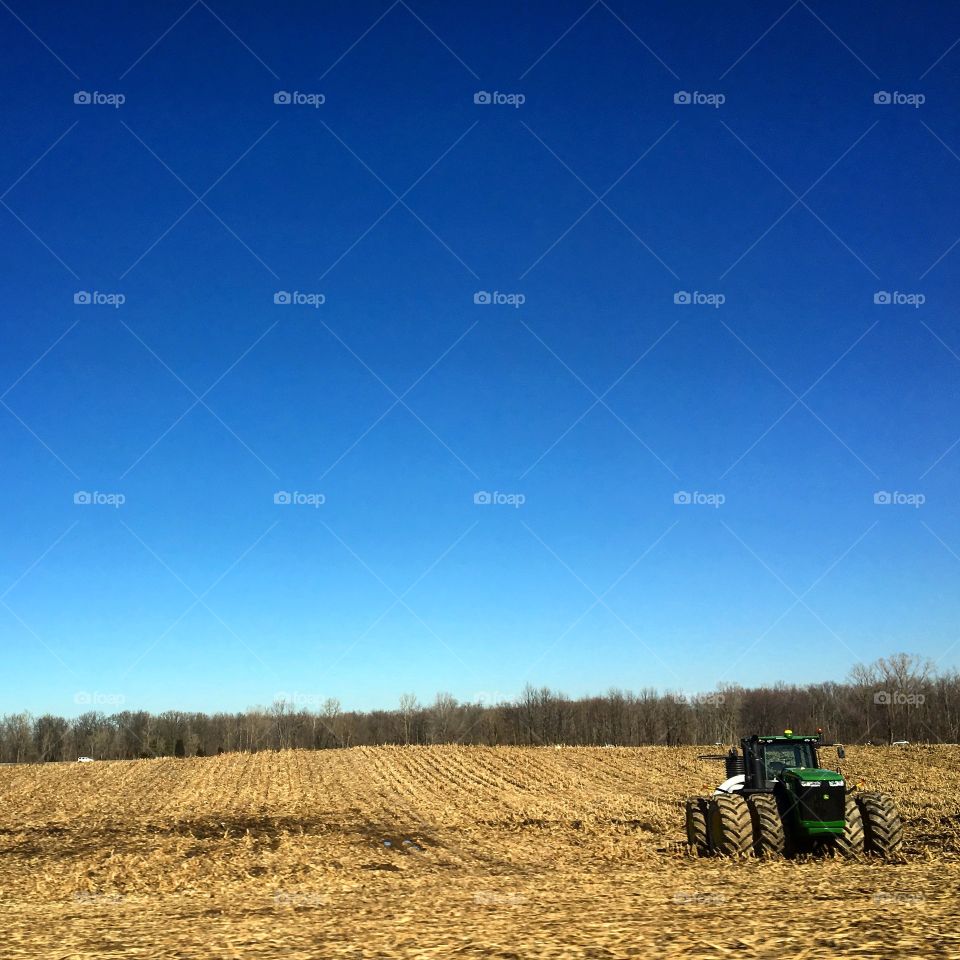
pixel 783 198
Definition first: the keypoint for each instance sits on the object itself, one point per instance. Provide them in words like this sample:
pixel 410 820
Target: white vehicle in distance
pixel 901 743
pixel 85 760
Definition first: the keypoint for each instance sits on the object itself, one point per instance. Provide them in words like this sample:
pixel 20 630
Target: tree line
pixel 901 697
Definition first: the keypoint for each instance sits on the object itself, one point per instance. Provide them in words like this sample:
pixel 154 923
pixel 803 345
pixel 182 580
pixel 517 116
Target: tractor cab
pixel 767 759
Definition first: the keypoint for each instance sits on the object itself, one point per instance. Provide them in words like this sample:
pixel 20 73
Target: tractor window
pixel 778 756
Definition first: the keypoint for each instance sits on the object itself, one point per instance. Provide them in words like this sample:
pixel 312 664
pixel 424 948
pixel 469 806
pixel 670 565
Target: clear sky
pixel 582 201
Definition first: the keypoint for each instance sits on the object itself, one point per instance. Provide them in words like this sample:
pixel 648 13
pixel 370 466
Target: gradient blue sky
pixel 798 199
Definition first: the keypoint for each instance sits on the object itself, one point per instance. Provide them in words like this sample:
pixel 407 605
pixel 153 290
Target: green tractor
pixel 778 801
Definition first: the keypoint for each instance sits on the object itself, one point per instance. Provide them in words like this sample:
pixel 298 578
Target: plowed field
pixel 447 852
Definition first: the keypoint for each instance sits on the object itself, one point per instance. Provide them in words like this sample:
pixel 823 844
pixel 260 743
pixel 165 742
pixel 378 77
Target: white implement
pixel 733 785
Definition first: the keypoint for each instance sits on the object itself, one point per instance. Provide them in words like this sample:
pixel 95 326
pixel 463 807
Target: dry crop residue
pixel 441 852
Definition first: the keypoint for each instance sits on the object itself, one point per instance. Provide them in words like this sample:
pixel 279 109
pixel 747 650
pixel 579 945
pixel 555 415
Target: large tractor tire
pixel 769 836
pixel 851 842
pixel 882 827
pixel 696 810
pixel 729 826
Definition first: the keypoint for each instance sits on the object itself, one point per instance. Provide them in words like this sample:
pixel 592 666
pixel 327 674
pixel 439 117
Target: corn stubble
pixel 449 852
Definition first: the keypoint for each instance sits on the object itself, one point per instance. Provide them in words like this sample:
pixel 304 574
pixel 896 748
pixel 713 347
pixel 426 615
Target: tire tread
pixel 730 826
pixel 882 826
pixel 770 838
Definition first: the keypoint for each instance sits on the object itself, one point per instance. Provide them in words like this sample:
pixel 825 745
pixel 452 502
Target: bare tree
pixel 408 708
pixel 441 717
pixel 332 720
pixel 281 713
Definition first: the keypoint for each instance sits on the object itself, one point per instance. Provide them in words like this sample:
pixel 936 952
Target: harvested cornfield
pixel 449 852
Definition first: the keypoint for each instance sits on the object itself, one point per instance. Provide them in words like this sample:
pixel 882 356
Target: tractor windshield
pixel 778 756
